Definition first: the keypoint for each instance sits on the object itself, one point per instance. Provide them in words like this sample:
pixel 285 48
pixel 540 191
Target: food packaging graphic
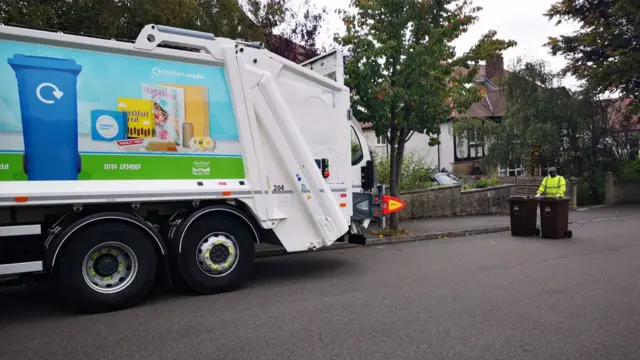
pixel 108 125
pixel 140 117
pixel 196 108
pixel 47 90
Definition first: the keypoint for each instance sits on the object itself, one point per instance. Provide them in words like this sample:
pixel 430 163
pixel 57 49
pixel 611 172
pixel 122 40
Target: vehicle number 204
pixel 278 187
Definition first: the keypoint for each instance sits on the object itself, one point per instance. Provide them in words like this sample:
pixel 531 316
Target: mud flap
pixel 356 234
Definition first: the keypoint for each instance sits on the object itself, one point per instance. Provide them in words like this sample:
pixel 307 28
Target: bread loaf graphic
pixel 161 146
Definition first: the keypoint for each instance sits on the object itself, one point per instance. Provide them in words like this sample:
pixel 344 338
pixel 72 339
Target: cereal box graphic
pixel 196 99
pixel 139 117
pixel 168 111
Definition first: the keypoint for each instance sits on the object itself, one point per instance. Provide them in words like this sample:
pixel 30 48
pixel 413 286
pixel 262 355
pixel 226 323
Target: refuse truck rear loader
pixel 170 157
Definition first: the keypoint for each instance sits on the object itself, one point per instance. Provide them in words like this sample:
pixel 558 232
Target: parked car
pixel 445 178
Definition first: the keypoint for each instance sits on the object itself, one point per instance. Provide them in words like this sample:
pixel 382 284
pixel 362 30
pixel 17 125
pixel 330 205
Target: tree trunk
pixel 393 174
pixel 393 168
pixel 394 222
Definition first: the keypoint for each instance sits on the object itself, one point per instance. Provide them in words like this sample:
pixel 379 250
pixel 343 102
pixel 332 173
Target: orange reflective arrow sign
pixel 395 205
pixel 392 204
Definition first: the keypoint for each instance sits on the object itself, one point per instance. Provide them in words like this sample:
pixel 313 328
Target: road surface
pixel 481 297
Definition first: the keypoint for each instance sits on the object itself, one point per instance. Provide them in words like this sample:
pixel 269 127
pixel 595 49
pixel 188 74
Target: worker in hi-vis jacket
pixel 552 185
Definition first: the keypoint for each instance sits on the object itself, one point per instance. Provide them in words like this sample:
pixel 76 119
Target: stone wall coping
pixel 627 181
pixel 492 188
pixel 435 188
pixel 449 187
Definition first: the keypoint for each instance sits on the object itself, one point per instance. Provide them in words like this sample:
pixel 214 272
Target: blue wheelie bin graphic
pixel 49 107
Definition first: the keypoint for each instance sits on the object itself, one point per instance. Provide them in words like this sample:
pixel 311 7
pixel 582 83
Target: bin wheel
pixel 568 234
pixel 536 232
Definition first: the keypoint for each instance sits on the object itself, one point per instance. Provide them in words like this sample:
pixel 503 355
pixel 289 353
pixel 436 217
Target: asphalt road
pixel 482 297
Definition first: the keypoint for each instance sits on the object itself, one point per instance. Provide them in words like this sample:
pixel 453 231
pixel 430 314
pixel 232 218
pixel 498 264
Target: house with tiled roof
pixel 456 154
pixel 620 120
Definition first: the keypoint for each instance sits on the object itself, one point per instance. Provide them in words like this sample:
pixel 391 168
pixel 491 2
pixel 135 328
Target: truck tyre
pixel 107 266
pixel 217 254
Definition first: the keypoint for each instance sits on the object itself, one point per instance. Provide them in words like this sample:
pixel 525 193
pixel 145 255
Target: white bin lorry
pixel 172 155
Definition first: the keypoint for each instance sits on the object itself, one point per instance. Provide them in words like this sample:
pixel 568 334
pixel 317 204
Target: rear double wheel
pixel 217 253
pixel 107 266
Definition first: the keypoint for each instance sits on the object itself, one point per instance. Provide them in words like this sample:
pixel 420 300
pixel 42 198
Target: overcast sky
pixel 519 20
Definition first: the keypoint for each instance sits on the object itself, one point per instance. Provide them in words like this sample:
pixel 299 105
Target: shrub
pixel 584 196
pixel 629 170
pixel 493 181
pixel 416 173
pixel 482 183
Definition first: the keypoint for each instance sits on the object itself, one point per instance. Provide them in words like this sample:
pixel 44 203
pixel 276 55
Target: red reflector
pixel 226 193
pixel 343 195
pixel 392 204
pixel 21 199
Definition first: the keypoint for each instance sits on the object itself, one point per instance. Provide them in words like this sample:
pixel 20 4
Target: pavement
pixel 479 297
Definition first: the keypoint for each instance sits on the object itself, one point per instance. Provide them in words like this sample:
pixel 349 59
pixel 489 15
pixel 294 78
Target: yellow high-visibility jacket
pixel 553 187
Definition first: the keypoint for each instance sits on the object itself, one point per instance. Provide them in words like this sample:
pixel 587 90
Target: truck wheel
pixel 217 254
pixel 107 266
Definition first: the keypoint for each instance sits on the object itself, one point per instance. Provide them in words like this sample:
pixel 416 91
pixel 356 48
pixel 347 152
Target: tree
pixel 403 71
pixel 605 51
pixel 269 21
pixel 109 18
pixel 291 33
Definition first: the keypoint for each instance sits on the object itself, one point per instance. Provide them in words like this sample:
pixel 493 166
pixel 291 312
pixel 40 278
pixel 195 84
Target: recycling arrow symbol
pixel 56 92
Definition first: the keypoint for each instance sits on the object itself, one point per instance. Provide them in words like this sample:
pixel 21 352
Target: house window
pixel 468 149
pixel 380 140
pixel 511 170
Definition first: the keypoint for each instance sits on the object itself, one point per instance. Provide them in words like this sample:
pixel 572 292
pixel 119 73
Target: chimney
pixel 494 69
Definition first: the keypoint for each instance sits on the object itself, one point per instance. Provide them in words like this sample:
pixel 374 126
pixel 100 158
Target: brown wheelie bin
pixel 523 213
pixel 554 218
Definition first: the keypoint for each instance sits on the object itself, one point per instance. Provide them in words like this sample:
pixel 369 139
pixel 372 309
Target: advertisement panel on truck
pixel 69 114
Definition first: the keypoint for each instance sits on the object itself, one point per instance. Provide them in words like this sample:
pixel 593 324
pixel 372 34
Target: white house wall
pixel 419 144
